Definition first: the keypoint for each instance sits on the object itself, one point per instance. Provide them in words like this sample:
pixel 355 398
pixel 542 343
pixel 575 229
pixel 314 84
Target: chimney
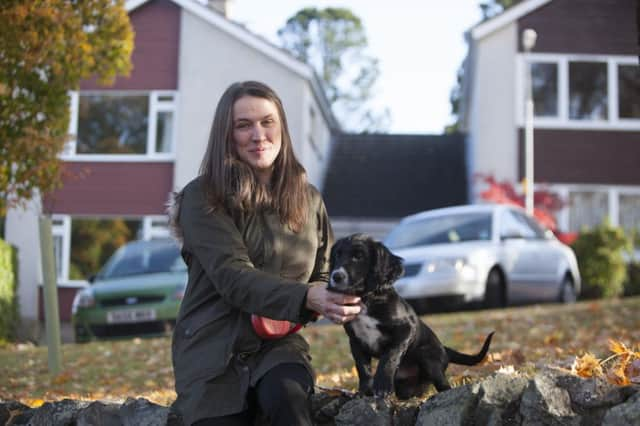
pixel 221 6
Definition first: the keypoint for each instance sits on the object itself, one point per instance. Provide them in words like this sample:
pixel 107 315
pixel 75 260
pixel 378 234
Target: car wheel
pixel 567 291
pixel 494 294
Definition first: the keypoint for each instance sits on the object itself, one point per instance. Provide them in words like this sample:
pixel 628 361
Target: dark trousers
pixel 281 397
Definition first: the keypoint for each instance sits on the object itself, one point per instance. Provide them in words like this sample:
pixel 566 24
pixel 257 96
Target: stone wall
pixel 552 397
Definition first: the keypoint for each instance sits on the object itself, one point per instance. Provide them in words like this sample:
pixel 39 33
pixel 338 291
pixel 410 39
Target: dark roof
pixel 391 176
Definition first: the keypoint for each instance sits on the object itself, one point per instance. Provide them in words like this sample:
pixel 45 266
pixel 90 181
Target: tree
pixel 490 8
pixel 455 96
pixel 46 48
pixel 333 42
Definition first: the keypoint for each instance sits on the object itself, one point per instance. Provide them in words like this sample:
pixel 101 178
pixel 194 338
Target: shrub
pixel 8 297
pixel 600 252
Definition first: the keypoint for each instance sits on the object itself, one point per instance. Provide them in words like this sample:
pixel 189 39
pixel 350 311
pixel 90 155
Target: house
pixel 144 136
pixel 586 90
pixel 374 180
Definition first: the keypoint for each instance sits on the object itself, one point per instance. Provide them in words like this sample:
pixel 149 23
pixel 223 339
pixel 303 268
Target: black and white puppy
pixel 409 353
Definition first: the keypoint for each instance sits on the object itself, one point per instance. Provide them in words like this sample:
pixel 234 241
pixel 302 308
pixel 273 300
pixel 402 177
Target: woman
pixel 256 238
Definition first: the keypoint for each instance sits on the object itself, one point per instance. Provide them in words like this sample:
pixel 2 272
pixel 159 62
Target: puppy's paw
pixel 383 388
pixel 383 393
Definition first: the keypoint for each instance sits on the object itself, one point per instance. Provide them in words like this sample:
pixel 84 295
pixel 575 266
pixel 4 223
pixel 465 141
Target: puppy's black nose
pixel 338 277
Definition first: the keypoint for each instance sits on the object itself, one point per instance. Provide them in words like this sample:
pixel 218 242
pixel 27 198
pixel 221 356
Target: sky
pixel 419 43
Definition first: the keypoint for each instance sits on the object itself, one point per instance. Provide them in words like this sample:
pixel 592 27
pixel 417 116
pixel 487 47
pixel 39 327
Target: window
pixel 582 91
pixel 629 89
pixel 589 205
pixel 94 240
pixel 587 209
pixel 587 91
pixel 59 229
pixel 164 132
pixel 630 213
pixel 444 229
pixel 114 124
pixel 532 224
pixel 516 224
pixel 82 245
pixel 544 79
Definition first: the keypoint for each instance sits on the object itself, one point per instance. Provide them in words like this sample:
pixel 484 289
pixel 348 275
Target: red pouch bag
pixel 268 328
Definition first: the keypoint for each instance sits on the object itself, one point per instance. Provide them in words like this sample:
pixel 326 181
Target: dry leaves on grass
pixel 621 368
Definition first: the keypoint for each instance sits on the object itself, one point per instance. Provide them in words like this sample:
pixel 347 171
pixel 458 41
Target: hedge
pixel 8 290
pixel 600 252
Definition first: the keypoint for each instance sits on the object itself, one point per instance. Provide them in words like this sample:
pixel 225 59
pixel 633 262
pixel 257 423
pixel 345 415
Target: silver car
pixel 493 254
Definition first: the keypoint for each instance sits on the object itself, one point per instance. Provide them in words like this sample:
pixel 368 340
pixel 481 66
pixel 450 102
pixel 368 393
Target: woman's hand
pixel 336 307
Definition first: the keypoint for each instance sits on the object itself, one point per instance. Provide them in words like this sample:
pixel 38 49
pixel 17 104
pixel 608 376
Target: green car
pixel 137 292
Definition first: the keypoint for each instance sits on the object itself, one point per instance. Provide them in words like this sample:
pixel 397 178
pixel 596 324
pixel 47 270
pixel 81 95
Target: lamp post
pixel 528 41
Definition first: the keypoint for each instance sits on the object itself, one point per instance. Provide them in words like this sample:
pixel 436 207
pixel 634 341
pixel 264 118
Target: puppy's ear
pixel 387 267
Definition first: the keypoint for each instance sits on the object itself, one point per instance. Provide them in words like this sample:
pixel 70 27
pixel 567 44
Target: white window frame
pixel 153 226
pixel 63 230
pixel 613 196
pixel 562 120
pixel 156 106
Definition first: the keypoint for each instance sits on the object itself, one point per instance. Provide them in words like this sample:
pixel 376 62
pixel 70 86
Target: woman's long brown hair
pixel 231 184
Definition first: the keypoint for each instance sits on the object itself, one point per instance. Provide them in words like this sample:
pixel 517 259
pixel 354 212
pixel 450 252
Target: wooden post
pixel 50 292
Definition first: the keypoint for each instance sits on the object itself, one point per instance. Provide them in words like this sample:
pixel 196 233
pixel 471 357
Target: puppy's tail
pixel 464 359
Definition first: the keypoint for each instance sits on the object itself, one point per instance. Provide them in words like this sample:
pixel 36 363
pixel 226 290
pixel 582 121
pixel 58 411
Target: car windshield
pixel 443 229
pixel 143 257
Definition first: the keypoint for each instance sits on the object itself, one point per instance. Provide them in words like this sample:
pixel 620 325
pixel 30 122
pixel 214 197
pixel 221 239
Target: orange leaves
pixel 618 348
pixel 62 378
pixel 97 370
pixel 345 377
pixel 587 366
pixel 622 368
pixel 47 47
pixel 626 364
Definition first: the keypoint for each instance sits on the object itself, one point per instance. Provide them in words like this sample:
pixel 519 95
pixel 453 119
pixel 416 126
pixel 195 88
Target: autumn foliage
pixel 622 368
pixel 47 47
pixel 545 203
pixel 527 340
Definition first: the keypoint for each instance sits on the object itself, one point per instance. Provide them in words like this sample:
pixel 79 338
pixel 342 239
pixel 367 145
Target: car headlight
pixel 444 264
pixel 83 299
pixel 459 265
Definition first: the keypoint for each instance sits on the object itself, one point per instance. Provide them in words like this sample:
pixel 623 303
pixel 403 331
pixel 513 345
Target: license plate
pixel 131 315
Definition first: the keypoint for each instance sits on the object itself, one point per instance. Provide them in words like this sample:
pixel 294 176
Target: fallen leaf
pixel 507 369
pixel 61 378
pixel 617 347
pixel 587 366
pixel 617 376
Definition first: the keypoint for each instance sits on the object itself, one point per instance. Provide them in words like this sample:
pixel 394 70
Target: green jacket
pixel 239 266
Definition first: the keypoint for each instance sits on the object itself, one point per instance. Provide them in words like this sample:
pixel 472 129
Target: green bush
pixel 600 252
pixel 8 297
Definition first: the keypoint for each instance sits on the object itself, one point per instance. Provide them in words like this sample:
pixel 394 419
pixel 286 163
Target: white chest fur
pixel 366 329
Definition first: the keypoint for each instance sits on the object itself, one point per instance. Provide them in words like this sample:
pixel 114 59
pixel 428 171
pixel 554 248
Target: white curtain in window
pixel 587 209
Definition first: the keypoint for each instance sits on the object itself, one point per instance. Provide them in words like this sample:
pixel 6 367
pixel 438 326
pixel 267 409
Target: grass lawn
pixel 526 338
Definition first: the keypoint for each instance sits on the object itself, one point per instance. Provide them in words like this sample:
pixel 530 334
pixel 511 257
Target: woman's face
pixel 257 133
